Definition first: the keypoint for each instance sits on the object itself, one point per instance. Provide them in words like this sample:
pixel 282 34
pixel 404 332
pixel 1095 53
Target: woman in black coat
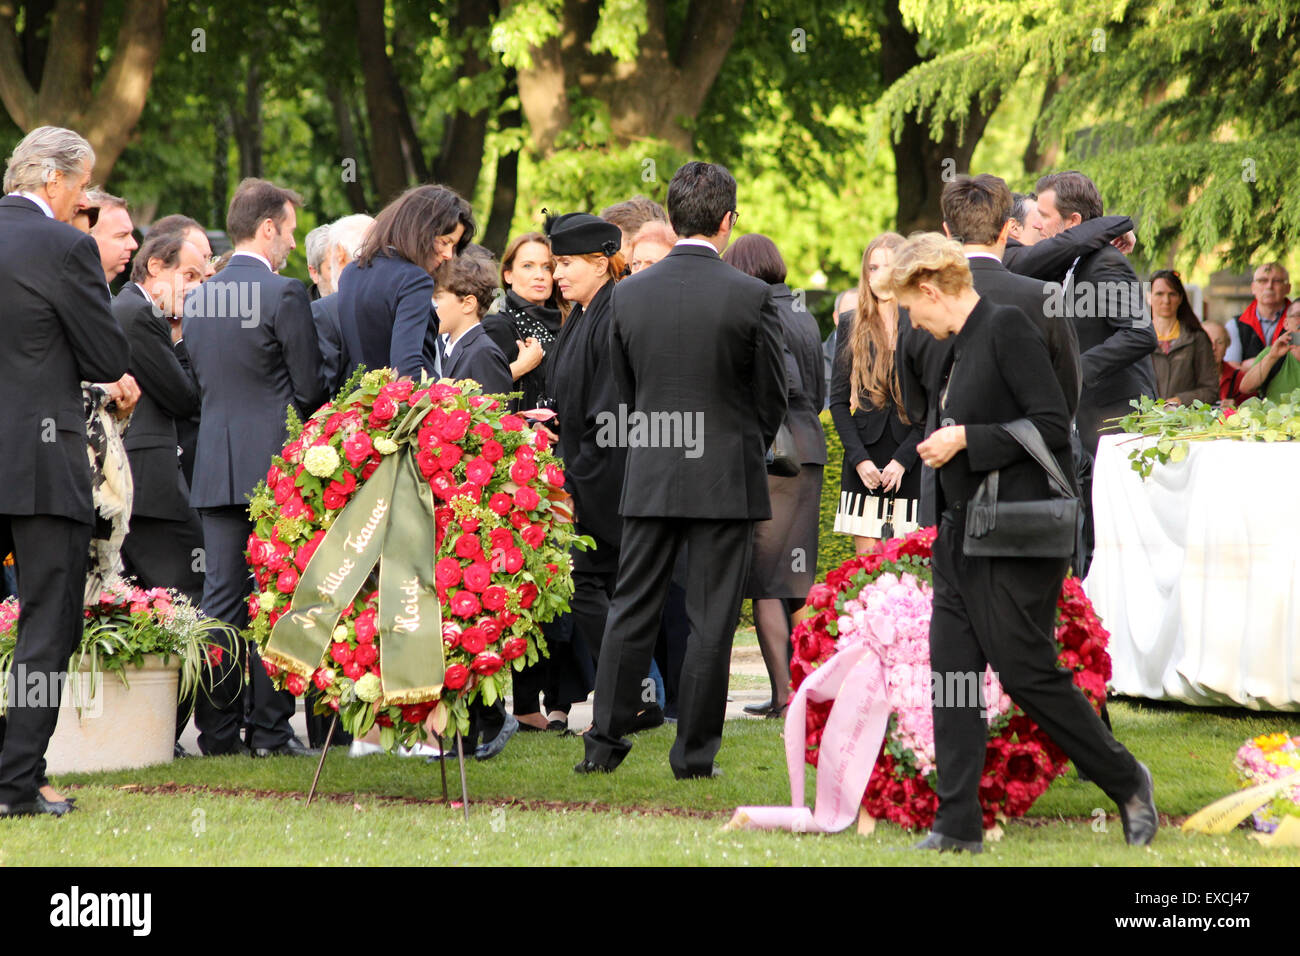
pixel 528 323
pixel 784 562
pixel 997 611
pixel 880 482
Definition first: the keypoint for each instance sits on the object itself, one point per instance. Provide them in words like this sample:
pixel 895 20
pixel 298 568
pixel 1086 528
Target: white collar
pixel 44 206
pixel 254 255
pixel 983 255
pixel 697 242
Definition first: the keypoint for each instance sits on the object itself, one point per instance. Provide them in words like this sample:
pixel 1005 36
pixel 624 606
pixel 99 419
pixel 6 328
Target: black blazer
pixel 476 356
pixel 517 321
pixel 250 368
pixel 1114 347
pixel 168 391
pixel 387 318
pixel 57 331
pixel 1001 287
pixel 1000 372
pixel 697 339
pixel 806 395
pixel 329 336
pixel 580 379
pixel 1050 259
pixel 878 434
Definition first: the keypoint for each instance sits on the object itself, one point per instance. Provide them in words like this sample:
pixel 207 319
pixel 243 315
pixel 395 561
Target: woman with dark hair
pixel 773 585
pixel 386 310
pixel 588 263
pixel 1003 412
pixel 1184 357
pixel 528 322
pixel 880 483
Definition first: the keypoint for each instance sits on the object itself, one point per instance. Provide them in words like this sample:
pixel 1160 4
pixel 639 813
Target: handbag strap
pixel 1026 433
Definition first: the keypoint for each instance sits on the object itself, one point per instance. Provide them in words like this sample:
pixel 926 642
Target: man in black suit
pixel 693 343
pixel 58 331
pixel 253 348
pixel 1102 294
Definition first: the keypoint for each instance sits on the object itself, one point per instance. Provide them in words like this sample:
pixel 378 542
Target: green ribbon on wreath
pixel 389 521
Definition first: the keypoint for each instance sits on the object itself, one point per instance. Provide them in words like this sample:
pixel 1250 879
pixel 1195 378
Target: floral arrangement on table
pixel 1173 426
pixel 126 624
pixel 894 581
pixel 1266 758
pixel 486 530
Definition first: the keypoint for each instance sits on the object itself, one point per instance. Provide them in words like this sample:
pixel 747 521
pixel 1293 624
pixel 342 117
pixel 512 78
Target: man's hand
pixel 125 392
pixel 1125 243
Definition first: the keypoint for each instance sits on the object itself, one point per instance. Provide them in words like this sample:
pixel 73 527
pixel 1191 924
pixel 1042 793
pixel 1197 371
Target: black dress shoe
pixel 648 719
pixel 55 808
pixel 293 747
pixel 18 809
pixel 559 726
pixel 714 771
pixel 588 766
pixel 758 710
pixel 1139 814
pixel 945 844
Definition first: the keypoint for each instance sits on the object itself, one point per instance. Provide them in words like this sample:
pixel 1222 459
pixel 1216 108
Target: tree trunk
pixel 461 157
pixel 247 125
pixel 220 172
pixel 923 166
pixel 384 103
pixel 505 188
pixel 1037 157
pixel 349 145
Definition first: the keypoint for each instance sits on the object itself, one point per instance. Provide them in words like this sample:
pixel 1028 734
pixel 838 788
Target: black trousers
pixel 718 562
pixel 223 707
pixel 589 608
pixel 1001 611
pixel 670 649
pixel 160 553
pixel 51 554
pixel 560 679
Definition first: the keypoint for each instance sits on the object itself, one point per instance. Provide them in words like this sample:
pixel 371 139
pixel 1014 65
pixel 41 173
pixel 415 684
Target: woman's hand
pixel 891 478
pixel 531 354
pixel 937 450
pixel 869 474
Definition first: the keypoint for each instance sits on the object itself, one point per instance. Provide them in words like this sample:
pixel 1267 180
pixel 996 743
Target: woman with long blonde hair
pixel 880 481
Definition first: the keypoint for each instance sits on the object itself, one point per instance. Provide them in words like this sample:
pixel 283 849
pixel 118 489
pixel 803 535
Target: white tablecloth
pixel 1196 573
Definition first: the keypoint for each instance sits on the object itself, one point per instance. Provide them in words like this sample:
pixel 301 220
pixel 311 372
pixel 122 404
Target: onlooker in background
pixel 1229 372
pixel 880 483
pixel 58 331
pixel 651 243
pixel 343 241
pixel 1276 372
pixel 1186 370
pixel 784 562
pixel 1115 337
pixel 846 303
pixel 630 216
pixel 315 245
pixel 113 232
pixel 1259 326
pixel 386 295
pixel 528 322
pixel 249 368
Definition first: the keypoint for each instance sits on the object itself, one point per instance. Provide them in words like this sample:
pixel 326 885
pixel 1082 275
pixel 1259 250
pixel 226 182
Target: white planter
pixel 118 728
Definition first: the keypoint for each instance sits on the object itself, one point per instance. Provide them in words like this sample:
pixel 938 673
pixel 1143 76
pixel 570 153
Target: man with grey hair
pixel 344 242
pixel 316 244
pixel 58 331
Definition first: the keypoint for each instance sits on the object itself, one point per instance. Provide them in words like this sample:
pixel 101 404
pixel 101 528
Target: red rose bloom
pixel 427 462
pixel 514 560
pixel 494 598
pixel 366 654
pixel 554 476
pixel 273 476
pixel 527 499
pixel 322 678
pixel 477 576
pixel 367 625
pixel 820 595
pixel 479 471
pixel 371 467
pixel 337 493
pixel 447 572
pixel 473 640
pixel 271 669
pixel 341 652
pixel 287 581
pixel 398 391
pixel 533 535
pixel 527 594
pixel 295 685
pixel 482 429
pixel 357 449
pixel 442 485
pixel 486 664
pixel 518 519
pixel 464 604
pixel 353 670
pixel 454 428
pixel 523 471
pixel 512 423
pixel 500 538
pixel 515 647
pixel 491 628
pixel 455 677
pixel 501 503
pixel 492 449
pixel 382 412
pixel 468 546
pixel 306 551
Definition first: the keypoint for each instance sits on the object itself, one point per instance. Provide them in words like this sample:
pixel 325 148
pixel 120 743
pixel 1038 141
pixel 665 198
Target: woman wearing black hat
pixel 587 264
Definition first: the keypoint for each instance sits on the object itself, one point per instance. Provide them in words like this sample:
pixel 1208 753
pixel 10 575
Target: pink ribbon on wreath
pixel 854 679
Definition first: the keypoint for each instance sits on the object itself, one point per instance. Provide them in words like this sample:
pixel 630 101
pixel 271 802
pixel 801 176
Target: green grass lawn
pixel 529 807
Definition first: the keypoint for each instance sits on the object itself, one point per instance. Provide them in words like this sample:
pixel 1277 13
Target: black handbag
pixel 782 459
pixel 1047 528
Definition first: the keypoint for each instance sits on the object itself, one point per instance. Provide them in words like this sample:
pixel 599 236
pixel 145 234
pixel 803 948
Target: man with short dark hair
pixel 192 231
pixel 58 331
pixel 691 340
pixel 1102 295
pixel 630 215
pixel 253 347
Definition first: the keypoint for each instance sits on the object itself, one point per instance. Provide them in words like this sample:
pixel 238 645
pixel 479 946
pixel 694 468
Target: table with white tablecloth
pixel 1196 572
